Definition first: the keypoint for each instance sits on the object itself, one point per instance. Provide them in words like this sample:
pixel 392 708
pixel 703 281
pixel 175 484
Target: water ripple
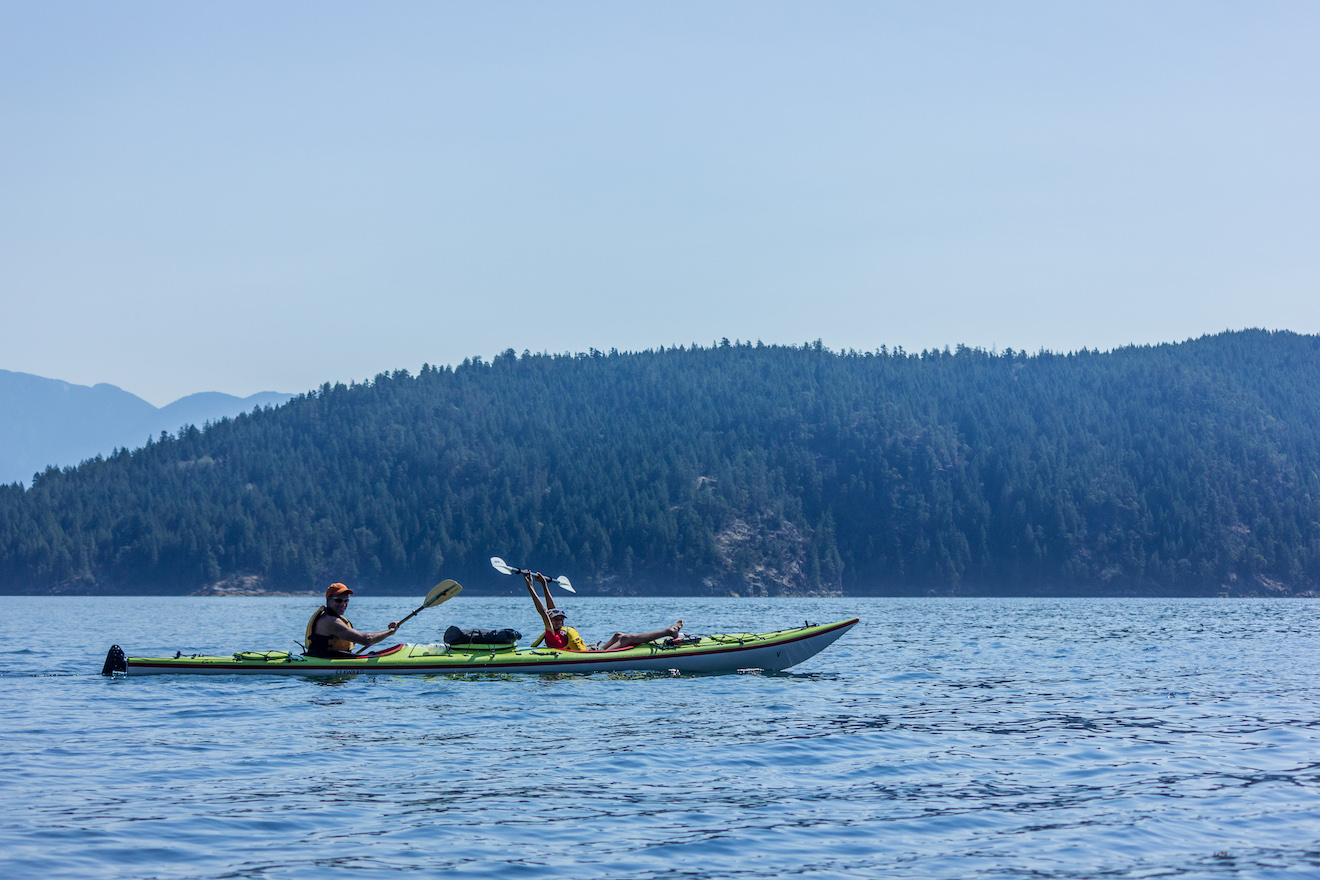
pixel 939 739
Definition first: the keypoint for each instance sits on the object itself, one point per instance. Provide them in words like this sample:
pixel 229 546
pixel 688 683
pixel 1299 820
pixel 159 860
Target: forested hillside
pixel 1176 469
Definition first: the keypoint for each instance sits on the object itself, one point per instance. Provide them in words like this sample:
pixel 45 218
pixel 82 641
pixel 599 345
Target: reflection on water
pixel 940 738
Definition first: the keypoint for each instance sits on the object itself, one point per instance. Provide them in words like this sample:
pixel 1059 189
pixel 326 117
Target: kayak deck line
pixel 720 653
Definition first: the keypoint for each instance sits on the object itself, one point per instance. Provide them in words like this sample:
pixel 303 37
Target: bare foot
pixel 675 629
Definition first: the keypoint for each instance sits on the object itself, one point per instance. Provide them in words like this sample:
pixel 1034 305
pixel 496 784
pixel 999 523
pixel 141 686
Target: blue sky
pixel 265 196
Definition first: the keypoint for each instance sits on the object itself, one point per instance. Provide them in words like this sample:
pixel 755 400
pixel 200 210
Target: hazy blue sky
pixel 249 196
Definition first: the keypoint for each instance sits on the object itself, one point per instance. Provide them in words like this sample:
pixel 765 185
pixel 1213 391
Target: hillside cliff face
pixel 46 422
pixel 1190 469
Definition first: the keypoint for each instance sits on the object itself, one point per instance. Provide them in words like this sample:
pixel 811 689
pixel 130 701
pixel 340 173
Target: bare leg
pixel 632 640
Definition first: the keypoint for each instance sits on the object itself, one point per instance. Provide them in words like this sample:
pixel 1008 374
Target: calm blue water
pixel 941 738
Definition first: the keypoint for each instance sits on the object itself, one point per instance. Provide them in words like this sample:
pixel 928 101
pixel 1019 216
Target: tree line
pixel 1189 468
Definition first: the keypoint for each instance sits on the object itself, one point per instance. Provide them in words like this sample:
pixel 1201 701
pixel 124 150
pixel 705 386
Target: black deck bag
pixel 501 638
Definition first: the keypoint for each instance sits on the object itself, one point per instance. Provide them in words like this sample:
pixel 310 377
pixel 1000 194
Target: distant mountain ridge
pixel 45 422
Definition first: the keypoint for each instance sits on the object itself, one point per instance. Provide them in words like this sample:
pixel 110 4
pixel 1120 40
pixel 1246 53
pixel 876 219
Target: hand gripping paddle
pixel 441 592
pixel 504 568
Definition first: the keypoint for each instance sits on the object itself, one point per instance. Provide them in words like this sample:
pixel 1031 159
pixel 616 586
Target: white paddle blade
pixel 500 566
pixel 562 580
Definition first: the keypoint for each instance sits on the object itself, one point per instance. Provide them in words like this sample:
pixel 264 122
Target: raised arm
pixel 545 585
pixel 536 600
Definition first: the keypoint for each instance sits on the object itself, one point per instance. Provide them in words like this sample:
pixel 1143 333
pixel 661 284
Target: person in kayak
pixel 330 635
pixel 557 635
pixel 565 638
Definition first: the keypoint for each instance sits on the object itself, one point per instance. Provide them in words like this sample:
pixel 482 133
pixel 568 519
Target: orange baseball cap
pixel 336 590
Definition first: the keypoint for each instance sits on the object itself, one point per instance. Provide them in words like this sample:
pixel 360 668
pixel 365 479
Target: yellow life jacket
pixel 317 644
pixel 573 640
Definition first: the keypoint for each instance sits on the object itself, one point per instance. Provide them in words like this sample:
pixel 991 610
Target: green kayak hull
pixel 729 652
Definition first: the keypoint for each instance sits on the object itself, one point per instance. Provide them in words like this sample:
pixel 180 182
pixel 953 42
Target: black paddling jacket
pixel 326 646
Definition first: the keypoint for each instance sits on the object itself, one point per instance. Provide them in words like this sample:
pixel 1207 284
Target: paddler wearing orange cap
pixel 331 635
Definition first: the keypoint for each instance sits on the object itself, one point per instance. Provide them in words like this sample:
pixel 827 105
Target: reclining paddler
pixel 330 635
pixel 565 638
pixel 557 635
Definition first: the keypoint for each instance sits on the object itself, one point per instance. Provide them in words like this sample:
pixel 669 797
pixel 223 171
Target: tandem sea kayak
pixel 728 652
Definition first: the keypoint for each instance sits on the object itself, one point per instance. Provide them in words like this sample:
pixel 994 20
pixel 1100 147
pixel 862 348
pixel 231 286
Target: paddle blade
pixel 562 580
pixel 500 566
pixel 442 592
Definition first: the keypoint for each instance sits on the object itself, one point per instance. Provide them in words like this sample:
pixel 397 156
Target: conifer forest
pixel 1178 469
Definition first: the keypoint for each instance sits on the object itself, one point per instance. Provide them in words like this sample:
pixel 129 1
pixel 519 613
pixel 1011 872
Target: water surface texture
pixel 940 738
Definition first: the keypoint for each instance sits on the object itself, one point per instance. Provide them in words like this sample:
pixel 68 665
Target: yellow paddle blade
pixel 442 592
